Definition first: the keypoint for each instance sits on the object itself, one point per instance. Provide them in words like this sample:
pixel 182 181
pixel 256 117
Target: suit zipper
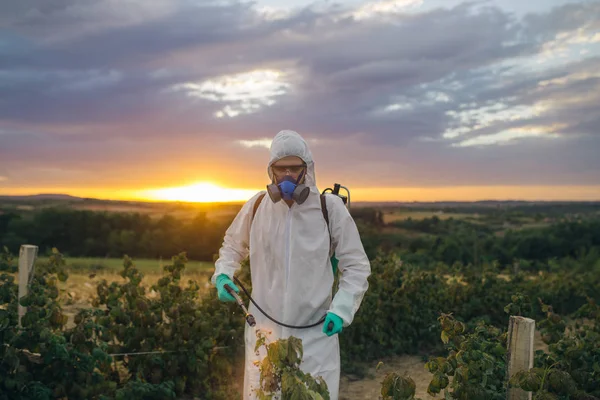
pixel 287 247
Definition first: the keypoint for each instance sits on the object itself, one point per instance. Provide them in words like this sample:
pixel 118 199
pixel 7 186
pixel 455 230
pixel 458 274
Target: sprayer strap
pixel 324 209
pixel 326 216
pixel 256 204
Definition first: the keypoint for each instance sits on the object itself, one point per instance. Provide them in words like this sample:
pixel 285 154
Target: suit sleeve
pixel 236 242
pixel 353 265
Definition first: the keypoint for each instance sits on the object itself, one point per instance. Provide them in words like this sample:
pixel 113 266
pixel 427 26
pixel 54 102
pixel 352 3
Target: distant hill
pixel 43 196
pixel 57 197
pixel 226 211
pixel 152 208
pixel 459 204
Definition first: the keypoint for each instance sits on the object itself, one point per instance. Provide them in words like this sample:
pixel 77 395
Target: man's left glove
pixel 336 324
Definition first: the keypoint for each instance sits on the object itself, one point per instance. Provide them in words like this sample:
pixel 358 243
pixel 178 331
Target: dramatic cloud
pixel 265 142
pixel 243 93
pixel 383 8
pixel 466 94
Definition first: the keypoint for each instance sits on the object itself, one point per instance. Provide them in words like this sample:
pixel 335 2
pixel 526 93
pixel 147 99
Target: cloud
pixel 264 142
pixel 243 93
pixel 383 8
pixel 469 119
pixel 64 20
pixel 577 17
pixel 384 77
pixel 510 135
pixel 561 101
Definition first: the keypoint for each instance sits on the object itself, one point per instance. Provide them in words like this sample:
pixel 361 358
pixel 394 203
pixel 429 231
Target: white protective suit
pixel 292 276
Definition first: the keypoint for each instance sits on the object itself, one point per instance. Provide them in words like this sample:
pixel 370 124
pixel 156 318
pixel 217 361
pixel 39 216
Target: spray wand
pixel 250 318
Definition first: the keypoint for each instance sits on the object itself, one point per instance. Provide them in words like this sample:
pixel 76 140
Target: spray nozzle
pixel 249 317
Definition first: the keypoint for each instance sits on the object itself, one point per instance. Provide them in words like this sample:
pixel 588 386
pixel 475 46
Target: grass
pixel 115 265
pixel 418 215
pixel 85 273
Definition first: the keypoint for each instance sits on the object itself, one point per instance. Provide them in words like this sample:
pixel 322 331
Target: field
pixel 181 210
pixel 107 266
pixel 393 216
pixel 478 262
pixel 85 273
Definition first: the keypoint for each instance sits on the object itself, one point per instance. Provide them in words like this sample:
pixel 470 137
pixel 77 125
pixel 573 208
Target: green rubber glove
pixel 338 323
pixel 223 294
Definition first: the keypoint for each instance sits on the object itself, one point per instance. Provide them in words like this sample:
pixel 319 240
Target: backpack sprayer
pixel 249 317
pixel 336 191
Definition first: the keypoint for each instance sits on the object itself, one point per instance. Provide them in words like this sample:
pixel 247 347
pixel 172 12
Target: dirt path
pixel 370 388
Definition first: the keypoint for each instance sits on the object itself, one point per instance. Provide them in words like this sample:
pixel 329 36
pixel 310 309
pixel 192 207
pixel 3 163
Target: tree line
pixel 82 233
pixel 458 241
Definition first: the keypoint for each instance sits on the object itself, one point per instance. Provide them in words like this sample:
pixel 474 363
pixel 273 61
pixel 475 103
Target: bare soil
pixel 370 388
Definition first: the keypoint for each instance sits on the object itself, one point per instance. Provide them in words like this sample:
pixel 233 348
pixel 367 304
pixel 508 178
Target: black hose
pixel 273 319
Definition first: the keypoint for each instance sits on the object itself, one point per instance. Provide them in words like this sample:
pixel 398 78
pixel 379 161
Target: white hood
pixel 289 143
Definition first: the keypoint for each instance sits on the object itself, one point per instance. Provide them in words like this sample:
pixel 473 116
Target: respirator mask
pixel 288 188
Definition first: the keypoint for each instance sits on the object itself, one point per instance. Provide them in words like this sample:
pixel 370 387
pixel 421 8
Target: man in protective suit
pixel 290 246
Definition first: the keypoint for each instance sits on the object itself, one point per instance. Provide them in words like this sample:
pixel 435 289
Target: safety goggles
pixel 285 169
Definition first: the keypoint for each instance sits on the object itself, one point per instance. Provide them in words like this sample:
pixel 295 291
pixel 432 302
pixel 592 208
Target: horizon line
pixel 65 196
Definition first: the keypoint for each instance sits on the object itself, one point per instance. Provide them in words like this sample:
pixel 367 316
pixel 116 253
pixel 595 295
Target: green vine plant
pixel 128 346
pixel 571 368
pixel 547 383
pixel 43 359
pixel 475 366
pixel 397 387
pixel 520 306
pixel 280 373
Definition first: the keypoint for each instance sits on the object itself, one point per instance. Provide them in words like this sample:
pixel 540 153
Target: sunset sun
pixel 200 192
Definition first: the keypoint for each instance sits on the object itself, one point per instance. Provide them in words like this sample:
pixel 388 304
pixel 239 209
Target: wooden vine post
pixel 520 352
pixel 27 255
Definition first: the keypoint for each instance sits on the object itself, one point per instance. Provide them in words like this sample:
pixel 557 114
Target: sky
pixel 399 100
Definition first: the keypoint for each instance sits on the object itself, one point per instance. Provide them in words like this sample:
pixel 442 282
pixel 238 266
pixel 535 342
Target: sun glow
pixel 201 192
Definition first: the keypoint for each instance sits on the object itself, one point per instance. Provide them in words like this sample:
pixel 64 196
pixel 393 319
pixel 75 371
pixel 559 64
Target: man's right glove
pixel 223 294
